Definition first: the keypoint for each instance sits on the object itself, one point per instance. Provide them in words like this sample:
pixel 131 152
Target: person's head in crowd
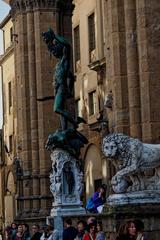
pixel 99 226
pixel 44 227
pixel 68 222
pixel 35 228
pixel 131 229
pixel 81 226
pixel 13 229
pixel 127 229
pixel 13 225
pixel 44 230
pixel 25 227
pixel 20 228
pixel 91 220
pixel 91 228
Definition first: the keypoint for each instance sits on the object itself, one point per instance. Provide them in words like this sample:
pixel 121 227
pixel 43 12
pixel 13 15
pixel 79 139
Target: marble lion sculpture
pixel 130 157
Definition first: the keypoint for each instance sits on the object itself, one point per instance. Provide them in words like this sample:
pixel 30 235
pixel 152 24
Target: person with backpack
pixel 96 203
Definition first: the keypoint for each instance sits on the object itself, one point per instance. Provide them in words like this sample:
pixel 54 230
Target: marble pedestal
pixel 58 214
pixel 66 186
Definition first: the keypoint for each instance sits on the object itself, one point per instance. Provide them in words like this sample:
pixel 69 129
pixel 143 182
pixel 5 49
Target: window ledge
pixel 97 65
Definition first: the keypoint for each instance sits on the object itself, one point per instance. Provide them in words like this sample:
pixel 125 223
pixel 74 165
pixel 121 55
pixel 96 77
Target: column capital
pixel 21 6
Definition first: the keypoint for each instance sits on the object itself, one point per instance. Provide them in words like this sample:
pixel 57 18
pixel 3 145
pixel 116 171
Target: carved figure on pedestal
pixel 131 158
pixel 64 187
pixel 80 183
pixel 58 184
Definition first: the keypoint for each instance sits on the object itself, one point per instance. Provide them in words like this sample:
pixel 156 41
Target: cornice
pixel 22 6
pixel 5 20
pixel 7 53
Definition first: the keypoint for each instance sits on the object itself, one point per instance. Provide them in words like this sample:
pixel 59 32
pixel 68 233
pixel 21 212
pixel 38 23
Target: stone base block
pixel 68 211
pixel 141 197
pixel 58 214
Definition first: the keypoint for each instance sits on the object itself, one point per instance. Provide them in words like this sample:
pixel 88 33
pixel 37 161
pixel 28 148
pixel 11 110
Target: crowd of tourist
pixel 84 230
pixel 93 230
pixel 90 230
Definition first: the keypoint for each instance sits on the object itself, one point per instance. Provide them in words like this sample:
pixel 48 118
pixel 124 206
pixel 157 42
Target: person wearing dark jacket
pixel 26 233
pixel 13 230
pixel 81 228
pixel 36 234
pixel 69 232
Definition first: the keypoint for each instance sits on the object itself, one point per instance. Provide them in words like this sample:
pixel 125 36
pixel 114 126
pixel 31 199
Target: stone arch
pixel 92 168
pixel 10 184
pixel 9 199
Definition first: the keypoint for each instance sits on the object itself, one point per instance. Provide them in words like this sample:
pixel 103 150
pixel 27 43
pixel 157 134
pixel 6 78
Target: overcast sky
pixel 4 10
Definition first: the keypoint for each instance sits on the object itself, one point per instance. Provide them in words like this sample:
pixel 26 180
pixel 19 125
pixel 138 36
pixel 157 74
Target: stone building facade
pixel 132 59
pixel 90 71
pixel 8 135
pixel 116 63
pixel 121 71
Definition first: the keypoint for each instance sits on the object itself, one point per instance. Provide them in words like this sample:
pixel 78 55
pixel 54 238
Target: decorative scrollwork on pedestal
pixel 66 178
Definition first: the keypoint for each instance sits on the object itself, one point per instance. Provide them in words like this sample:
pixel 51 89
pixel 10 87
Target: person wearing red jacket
pixel 91 235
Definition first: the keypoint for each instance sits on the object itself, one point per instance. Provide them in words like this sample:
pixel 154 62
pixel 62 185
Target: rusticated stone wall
pixel 132 60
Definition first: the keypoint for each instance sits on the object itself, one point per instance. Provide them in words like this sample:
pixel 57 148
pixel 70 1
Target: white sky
pixel 4 10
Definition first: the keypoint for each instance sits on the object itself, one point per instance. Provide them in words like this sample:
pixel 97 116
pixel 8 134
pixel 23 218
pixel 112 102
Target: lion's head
pixel 114 144
pixel 110 149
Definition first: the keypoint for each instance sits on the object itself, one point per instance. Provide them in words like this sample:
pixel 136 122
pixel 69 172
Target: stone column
pixel 132 69
pixel 148 18
pixel 119 67
pixel 33 107
pixel 23 112
pixel 100 30
pixel 18 110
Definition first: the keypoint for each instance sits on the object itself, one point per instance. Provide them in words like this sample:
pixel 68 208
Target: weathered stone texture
pixel 34 81
pixel 133 49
